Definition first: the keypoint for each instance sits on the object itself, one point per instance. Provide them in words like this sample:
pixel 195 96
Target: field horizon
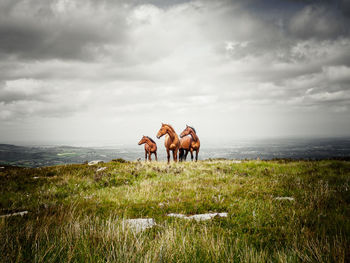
pixel 266 149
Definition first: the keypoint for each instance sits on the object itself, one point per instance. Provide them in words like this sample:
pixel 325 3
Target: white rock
pixel 15 214
pixel 285 198
pixel 35 177
pixel 139 224
pixel 199 217
pixel 101 169
pixel 95 162
pixel 203 217
pixel 222 214
pixel 177 215
pixel 236 161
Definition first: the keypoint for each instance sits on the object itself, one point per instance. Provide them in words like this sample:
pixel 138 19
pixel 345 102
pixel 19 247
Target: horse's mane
pixel 150 139
pixel 193 129
pixel 171 128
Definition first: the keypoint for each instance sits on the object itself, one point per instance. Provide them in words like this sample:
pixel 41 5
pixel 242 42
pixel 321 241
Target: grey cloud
pixel 30 98
pixel 226 60
pixel 161 3
pixel 344 7
pixel 59 29
pixel 319 21
pixel 278 27
pixel 22 109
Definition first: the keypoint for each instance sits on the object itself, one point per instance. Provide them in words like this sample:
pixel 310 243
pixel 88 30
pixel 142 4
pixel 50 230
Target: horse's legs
pixel 168 155
pixel 181 154
pixel 149 156
pixel 191 151
pixel 186 155
pixel 197 155
pixel 145 155
pixel 156 156
pixel 175 155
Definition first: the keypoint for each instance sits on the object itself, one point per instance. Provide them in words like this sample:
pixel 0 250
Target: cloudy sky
pixel 107 72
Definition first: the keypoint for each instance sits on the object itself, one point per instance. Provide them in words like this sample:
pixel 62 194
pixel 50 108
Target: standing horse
pixel 185 147
pixel 195 145
pixel 172 142
pixel 150 147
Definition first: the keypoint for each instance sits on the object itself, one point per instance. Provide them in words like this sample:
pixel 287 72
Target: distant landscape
pixel 314 149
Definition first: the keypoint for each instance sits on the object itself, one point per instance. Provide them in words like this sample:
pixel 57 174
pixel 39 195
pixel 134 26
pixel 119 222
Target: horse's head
pixel 162 131
pixel 186 131
pixel 143 140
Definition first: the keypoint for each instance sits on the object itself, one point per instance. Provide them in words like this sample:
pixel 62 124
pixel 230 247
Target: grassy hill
pixel 75 213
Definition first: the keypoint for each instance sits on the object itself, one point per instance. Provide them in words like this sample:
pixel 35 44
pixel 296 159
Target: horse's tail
pixel 181 154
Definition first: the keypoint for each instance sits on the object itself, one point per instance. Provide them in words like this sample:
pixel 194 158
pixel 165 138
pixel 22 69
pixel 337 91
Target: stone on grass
pixel 101 169
pixel 95 162
pixel 208 216
pixel 199 217
pixel 285 198
pixel 177 215
pixel 139 224
pixel 15 214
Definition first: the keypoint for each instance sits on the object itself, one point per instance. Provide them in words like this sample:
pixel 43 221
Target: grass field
pixel 75 213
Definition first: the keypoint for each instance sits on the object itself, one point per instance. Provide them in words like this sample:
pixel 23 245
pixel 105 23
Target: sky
pixel 107 72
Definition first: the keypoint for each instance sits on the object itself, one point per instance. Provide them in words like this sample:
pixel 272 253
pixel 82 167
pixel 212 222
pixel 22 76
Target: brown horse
pixel 150 147
pixel 172 142
pixel 185 147
pixel 195 144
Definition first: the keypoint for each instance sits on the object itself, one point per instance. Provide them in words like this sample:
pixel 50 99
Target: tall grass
pixel 76 214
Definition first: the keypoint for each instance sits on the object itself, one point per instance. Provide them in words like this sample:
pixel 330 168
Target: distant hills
pixel 50 155
pixel 328 148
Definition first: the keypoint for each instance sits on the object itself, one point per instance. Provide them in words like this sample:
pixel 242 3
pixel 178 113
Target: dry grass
pixel 75 213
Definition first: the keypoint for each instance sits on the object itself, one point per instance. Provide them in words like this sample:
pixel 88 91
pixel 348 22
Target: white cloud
pixel 123 66
pixel 23 86
pixel 338 73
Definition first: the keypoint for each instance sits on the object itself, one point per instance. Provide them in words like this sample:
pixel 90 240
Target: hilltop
pixel 280 211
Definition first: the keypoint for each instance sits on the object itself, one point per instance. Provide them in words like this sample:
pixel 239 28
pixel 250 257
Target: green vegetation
pixel 75 213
